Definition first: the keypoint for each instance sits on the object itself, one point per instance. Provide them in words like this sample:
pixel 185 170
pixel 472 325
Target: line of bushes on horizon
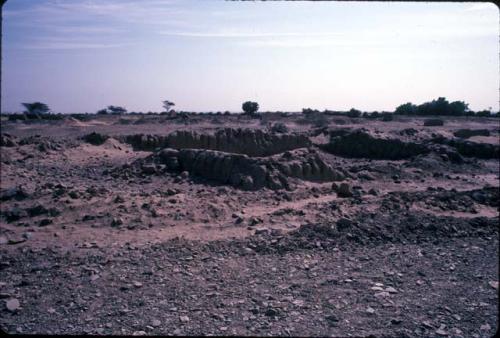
pixel 440 106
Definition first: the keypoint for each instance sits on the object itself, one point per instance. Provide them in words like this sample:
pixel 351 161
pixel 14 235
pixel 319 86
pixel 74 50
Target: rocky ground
pixel 227 225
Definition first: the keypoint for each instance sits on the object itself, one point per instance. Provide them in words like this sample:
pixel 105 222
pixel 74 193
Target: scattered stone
pixel 332 320
pixel 390 289
pixel 184 319
pixel 149 169
pixel 16 240
pixel 344 190
pixel 271 312
pixel 433 122
pixel 17 193
pixel 344 223
pixel 45 222
pixel 116 221
pixel 12 305
pixel 441 332
pixel 119 199
pixel 493 284
pixel 485 327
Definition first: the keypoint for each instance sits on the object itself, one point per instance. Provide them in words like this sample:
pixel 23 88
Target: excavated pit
pixel 240 141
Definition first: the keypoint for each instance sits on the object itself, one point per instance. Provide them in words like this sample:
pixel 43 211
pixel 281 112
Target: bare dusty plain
pixel 281 225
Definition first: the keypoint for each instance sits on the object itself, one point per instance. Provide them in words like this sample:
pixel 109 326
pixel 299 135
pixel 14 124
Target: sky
pixel 83 55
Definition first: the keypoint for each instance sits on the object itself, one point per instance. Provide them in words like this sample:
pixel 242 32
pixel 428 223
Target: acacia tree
pixel 250 107
pixel 168 105
pixel 36 108
pixel 117 110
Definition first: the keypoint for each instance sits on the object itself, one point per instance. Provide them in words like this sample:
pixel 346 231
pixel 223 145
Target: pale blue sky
pixel 80 56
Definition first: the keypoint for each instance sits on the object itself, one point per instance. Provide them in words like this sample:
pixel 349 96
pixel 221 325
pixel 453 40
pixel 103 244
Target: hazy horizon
pixel 81 56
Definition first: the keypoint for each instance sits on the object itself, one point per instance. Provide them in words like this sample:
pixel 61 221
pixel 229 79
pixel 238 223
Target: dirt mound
pixel 389 227
pixel 7 140
pixel 145 142
pixel 471 149
pixel 467 133
pixel 433 122
pixel 240 141
pixel 361 144
pixel 95 138
pixel 43 144
pixel 238 170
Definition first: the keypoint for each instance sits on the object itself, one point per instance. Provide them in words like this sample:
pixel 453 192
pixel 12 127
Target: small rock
pixel 344 190
pixel 73 194
pixel 344 223
pixel 155 323
pixel 396 321
pixel 149 169
pixel 139 333
pixel 271 312
pixel 390 289
pixel 119 199
pixel 12 304
pixel 332 320
pixel 370 310
pixel 184 319
pixel 137 284
pixel 493 284
pixel 45 222
pixel 441 332
pixel 261 231
pixel 117 221
pixel 485 327
pixel 16 240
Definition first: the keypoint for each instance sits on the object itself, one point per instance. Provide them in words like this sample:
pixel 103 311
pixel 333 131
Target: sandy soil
pixel 411 251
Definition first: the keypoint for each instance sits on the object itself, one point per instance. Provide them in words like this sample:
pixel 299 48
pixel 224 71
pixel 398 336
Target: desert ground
pixel 283 225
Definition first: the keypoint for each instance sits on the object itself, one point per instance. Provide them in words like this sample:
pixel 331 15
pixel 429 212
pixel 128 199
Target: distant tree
pixel 116 110
pixel 102 112
pixel 36 108
pixel 407 109
pixel 386 116
pixel 458 108
pixel 167 105
pixel 483 113
pixel 250 107
pixel 441 106
pixel 354 113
